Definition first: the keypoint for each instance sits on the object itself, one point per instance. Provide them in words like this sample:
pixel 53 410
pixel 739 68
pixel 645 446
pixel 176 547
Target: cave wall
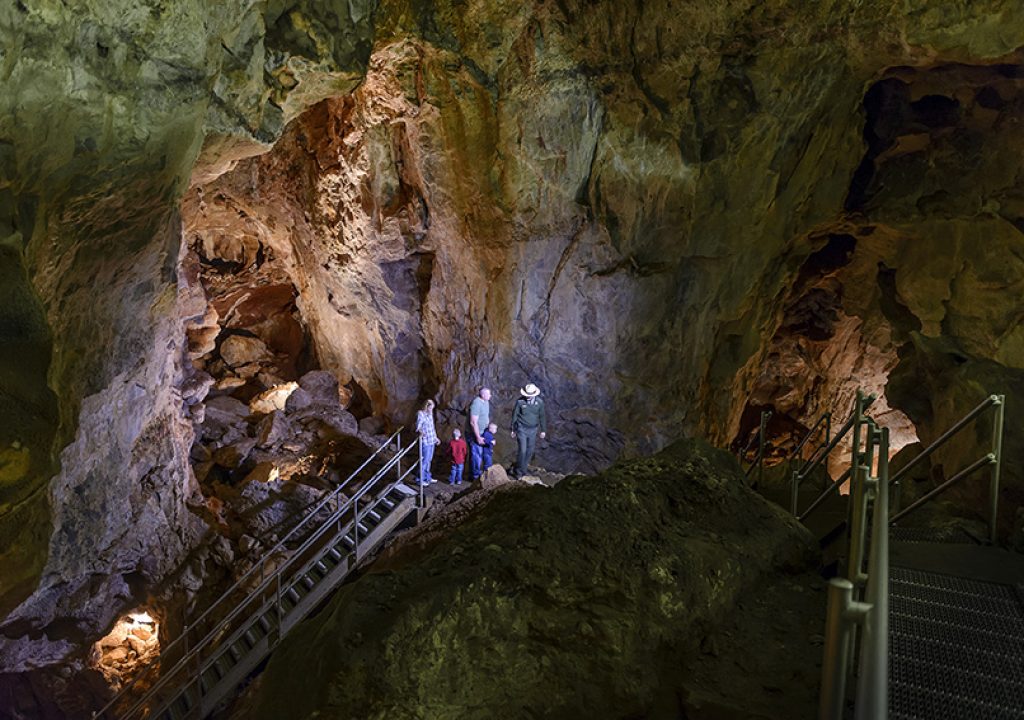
pixel 610 199
pixel 106 107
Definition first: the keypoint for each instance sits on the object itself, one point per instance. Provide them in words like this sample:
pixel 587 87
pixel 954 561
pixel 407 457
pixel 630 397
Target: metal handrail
pixel 860 406
pixel 846 612
pixel 826 418
pixel 993 458
pixel 760 437
pixel 273 580
pixel 183 638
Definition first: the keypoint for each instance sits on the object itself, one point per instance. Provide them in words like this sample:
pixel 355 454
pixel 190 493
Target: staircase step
pixel 308 582
pixel 951 584
pixel 997 605
pixel 334 555
pixel 912 701
pixel 965 678
pixel 988 662
pixel 321 567
pixel 265 624
pixel 973 640
pixel 348 542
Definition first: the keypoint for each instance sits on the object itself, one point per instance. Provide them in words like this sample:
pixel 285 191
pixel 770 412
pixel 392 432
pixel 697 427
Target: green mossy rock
pixel 565 602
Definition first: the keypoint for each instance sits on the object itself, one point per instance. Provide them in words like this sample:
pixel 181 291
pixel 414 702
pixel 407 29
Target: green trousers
pixel 526 438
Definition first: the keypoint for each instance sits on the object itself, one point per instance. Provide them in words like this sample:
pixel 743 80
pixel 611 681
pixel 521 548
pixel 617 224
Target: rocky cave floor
pixel 747 647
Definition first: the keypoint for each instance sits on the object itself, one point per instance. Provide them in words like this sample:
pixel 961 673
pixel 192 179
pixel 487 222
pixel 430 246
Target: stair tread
pixel 914 701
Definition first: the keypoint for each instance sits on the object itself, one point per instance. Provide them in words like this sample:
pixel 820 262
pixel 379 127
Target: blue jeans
pixel 488 457
pixel 476 457
pixel 426 457
pixel 456 477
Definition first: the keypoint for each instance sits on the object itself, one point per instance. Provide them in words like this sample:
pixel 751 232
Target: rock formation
pixel 581 599
pixel 616 200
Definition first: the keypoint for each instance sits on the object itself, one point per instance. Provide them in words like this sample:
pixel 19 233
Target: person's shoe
pixel 433 480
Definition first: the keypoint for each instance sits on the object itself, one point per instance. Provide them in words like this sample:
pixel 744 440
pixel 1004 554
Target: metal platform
pixel 956 648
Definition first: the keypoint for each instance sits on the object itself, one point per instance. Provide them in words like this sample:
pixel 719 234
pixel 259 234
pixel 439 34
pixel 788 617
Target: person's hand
pixel 479 440
pixel 437 442
pixel 543 435
pixel 513 433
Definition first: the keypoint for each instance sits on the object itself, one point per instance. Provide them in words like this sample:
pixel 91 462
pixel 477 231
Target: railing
pixel 825 420
pixel 994 459
pixel 264 583
pixel 846 613
pixel 854 423
pixel 759 458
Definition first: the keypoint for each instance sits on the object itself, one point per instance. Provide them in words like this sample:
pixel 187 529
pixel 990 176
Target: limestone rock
pixel 233 455
pixel 273 399
pixel 493 477
pixel 650 553
pixel 273 429
pixel 322 387
pixel 239 351
pixel 264 472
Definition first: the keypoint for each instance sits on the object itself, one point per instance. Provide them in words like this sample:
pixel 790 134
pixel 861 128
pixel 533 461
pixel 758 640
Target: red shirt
pixel 459 451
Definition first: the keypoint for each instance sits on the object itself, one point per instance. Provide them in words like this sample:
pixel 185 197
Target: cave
pixel 244 244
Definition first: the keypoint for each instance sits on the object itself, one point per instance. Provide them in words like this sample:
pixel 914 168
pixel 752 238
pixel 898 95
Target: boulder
pixel 583 599
pixel 371 425
pixel 493 477
pixel 322 387
pixel 195 388
pixel 239 350
pixel 273 429
pixel 226 410
pixel 273 399
pixel 264 472
pixel 230 382
pixel 233 455
pixel 299 400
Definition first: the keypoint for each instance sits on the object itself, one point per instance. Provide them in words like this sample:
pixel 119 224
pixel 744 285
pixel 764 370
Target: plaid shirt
pixel 425 427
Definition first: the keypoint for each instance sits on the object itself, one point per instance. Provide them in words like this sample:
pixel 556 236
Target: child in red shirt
pixel 459 451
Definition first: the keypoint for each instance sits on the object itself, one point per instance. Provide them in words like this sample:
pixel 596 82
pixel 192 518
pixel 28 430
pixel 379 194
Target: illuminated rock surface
pixel 615 200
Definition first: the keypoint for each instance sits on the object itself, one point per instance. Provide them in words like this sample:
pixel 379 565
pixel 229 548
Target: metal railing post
pixel 355 526
pixel 765 414
pixel 997 450
pixel 280 613
pixel 419 462
pixel 873 687
pixel 794 489
pixel 837 650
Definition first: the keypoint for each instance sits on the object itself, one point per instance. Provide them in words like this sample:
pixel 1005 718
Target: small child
pixel 488 452
pixel 459 451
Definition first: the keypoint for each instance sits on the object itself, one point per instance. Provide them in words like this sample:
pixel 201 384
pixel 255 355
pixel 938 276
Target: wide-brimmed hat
pixel 530 390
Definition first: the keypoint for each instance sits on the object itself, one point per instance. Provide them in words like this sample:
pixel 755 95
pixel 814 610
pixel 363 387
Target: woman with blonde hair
pixel 428 440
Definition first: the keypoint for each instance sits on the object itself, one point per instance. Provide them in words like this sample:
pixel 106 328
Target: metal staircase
pixel 220 648
pixel 919 622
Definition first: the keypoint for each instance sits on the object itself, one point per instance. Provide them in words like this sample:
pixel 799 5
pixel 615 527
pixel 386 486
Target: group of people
pixel 529 422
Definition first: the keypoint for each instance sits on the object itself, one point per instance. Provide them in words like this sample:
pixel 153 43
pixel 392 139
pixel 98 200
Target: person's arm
pixel 474 421
pixel 516 411
pixel 543 421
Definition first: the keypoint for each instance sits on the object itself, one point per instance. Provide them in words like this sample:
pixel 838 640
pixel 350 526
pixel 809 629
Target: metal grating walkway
pixel 952 535
pixel 956 648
